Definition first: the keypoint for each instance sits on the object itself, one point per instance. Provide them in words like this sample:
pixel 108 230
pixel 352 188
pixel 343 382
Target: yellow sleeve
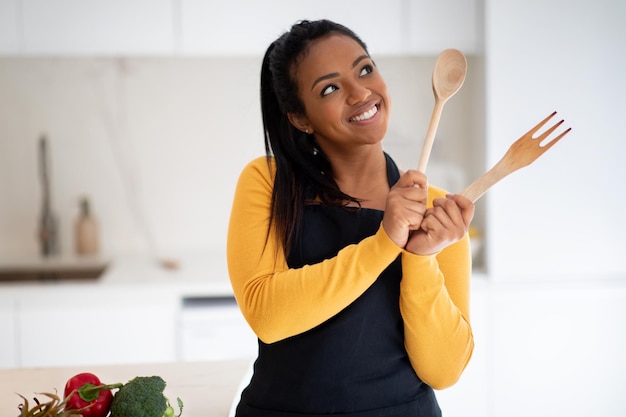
pixel 279 302
pixel 434 302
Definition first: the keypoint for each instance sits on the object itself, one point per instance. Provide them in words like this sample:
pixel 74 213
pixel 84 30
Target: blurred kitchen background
pixel 150 109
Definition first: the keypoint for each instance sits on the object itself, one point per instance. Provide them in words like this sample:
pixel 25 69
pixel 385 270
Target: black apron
pixel 354 364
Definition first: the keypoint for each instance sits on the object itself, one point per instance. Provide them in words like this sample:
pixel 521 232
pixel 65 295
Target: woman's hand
pixel 443 224
pixel 405 206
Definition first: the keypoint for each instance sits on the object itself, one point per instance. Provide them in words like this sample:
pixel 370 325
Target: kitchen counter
pixel 206 388
pixel 203 274
pixel 159 313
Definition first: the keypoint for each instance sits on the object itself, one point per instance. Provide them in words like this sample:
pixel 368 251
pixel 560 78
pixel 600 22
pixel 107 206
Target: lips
pixel 366 115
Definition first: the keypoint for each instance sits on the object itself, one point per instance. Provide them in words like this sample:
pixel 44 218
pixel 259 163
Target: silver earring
pixel 306 131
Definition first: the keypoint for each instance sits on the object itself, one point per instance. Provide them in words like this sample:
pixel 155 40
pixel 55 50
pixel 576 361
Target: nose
pixel 358 93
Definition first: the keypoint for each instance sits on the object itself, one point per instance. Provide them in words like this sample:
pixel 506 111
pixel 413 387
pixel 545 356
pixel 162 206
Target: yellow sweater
pixel 279 302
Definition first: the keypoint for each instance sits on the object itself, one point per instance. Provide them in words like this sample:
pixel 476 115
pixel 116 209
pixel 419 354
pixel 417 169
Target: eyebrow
pixel 336 74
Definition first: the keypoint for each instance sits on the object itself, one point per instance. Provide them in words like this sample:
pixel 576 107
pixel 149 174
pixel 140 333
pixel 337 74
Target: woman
pixel 353 275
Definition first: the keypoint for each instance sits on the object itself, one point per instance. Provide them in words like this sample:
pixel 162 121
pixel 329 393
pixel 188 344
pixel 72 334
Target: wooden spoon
pixel 448 77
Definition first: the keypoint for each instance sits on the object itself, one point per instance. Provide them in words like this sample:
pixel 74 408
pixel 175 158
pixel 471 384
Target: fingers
pixel 465 205
pixel 412 178
pixel 446 222
pixel 449 214
pixel 405 206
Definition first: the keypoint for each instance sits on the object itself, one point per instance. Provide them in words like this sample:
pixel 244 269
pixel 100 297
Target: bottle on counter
pixel 86 230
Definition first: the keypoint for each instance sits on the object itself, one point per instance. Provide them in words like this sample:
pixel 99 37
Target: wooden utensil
pixel 521 153
pixel 448 77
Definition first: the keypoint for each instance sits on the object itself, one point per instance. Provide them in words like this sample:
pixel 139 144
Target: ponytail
pixel 302 171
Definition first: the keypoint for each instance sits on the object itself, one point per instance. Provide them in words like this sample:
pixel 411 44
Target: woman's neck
pixel 363 176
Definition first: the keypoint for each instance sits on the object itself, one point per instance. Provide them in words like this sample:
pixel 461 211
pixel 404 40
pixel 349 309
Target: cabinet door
pixel 97 27
pixel 106 328
pixel 247 27
pixel 214 329
pixel 242 27
pixel 8 348
pixel 558 349
pixel 9 38
pixel 437 25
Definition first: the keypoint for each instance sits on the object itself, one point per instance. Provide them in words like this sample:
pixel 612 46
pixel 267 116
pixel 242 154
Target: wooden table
pixel 206 388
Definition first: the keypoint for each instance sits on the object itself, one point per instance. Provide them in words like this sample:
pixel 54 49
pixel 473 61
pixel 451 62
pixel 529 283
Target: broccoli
pixel 143 396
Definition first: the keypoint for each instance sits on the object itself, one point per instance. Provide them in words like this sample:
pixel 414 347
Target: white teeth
pixel 367 115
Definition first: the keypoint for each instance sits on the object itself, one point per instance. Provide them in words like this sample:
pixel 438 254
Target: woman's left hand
pixel 444 223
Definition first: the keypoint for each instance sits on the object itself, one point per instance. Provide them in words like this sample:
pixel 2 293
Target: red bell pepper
pixel 85 393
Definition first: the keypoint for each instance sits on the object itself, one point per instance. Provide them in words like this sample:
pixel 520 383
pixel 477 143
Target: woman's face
pixel 345 98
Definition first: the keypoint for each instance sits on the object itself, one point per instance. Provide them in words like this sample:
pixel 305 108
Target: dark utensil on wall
pixel 48 225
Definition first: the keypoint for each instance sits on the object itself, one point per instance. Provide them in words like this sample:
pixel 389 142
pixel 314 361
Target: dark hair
pixel 302 170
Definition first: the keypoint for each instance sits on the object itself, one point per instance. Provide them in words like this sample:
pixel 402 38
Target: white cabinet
pixel 69 27
pixel 9 28
pixel 544 349
pixel 247 27
pixel 436 25
pixel 558 349
pixel 397 27
pixel 233 28
pixel 8 347
pixel 213 328
pixel 69 325
pixel 97 326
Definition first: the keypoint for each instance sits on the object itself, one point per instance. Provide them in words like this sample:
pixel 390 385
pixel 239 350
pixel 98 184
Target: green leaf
pixel 180 406
pixel 88 393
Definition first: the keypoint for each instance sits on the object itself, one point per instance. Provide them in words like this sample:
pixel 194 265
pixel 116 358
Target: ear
pixel 300 122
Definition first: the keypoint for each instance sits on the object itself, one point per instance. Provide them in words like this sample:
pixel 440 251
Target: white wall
pixel 158 143
pixel 563 215
pixel 555 231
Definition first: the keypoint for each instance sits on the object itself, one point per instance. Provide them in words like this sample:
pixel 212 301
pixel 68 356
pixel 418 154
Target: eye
pixel 329 89
pixel 367 69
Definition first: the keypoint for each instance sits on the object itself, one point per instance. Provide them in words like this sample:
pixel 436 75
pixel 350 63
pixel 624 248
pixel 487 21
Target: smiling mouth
pixel 365 115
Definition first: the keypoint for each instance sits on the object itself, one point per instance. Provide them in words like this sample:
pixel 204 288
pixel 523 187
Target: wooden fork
pixel 521 153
